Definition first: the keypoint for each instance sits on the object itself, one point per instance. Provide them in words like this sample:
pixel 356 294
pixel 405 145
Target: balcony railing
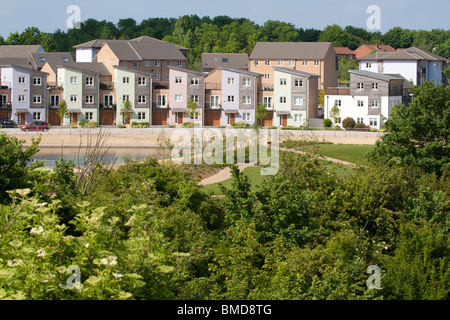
pixel 5 104
pixel 5 85
pixel 265 87
pixel 338 91
pixel 213 86
pixel 105 86
pixel 156 105
pixel 209 105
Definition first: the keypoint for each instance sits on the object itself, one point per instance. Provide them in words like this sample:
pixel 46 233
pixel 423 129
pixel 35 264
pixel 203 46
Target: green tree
pixel 126 111
pixel 13 163
pixel 419 134
pixel 261 113
pixel 344 66
pixel 63 111
pixel 335 113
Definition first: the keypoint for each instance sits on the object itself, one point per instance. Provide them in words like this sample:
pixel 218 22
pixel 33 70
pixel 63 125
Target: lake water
pixel 50 155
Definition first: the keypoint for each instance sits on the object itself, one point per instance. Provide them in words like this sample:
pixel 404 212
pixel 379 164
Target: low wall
pixel 148 137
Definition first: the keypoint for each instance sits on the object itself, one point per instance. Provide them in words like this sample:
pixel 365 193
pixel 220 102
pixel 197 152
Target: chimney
pixel 376 46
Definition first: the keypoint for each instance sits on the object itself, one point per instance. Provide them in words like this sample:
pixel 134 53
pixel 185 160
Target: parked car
pixel 7 123
pixel 36 126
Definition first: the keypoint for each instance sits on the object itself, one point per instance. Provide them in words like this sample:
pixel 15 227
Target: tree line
pixel 226 34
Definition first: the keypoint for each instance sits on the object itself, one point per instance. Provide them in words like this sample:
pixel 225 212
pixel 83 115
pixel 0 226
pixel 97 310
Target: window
pixel 89 81
pixel 360 103
pixel 21 79
pixel 125 97
pixel 126 79
pixel 246 99
pixel 157 77
pixel 193 115
pixel 230 98
pixel 37 81
pixel 176 117
pixel 373 122
pixel 267 102
pixel 42 59
pixel 298 101
pixel 135 64
pixel 246 116
pixel 316 62
pixel 37 99
pixel 36 116
pixel 282 99
pixel 179 63
pixel 214 101
pixel 368 65
pixel 359 120
pixel 230 80
pixel 89 116
pixel 298 118
pixel 55 100
pixel 141 115
pixel 360 86
pixel 73 98
pixel 195 98
pixel 125 64
pixel 147 63
pixel 304 62
pixel 267 76
pixel 89 99
pixel 64 59
pixel 169 63
pixel 157 63
pixel 195 80
pixel 375 86
pixel 228 118
pixel 161 100
pixel 178 97
pixel 73 80
pixel 338 103
pixel 267 62
pixel 256 63
pixel 167 77
pixel 291 63
pixel 280 62
pixel 374 104
pixel 21 98
pixel 108 100
pixel 142 99
pixel 283 81
pixel 298 82
pixel 142 81
pixel 338 120
pixel 246 82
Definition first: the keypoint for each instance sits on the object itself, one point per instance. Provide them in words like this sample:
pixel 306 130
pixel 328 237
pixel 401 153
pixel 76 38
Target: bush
pixel 188 125
pixel 121 126
pixel 348 123
pixel 327 123
pixel 361 126
pixel 238 125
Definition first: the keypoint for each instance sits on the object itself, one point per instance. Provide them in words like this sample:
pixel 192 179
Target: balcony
pixel 338 91
pixel 6 105
pixel 213 86
pixel 106 86
pixel 214 106
pixel 5 85
pixel 266 87
pixel 107 105
pixel 155 105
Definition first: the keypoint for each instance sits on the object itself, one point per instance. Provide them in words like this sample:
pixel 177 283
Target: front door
pixel 21 118
pixel 283 120
pixel 180 117
pixel 73 118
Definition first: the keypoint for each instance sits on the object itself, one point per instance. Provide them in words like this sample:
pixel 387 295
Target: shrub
pixel 361 126
pixel 327 123
pixel 188 125
pixel 348 123
pixel 238 125
pixel 121 126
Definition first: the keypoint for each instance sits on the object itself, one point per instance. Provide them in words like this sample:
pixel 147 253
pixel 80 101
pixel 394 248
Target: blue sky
pixel 16 15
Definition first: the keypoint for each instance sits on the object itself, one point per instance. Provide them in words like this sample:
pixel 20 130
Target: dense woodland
pixel 149 231
pixel 226 34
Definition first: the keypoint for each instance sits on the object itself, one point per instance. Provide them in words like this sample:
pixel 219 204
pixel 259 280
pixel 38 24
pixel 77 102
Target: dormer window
pixel 42 59
pixel 64 59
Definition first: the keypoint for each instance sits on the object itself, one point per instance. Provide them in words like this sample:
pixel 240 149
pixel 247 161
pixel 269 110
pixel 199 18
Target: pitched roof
pixel 133 70
pixel 39 59
pixel 290 50
pixel 28 69
pixel 254 74
pixel 99 43
pixel 25 62
pixel 296 72
pixel 145 50
pixel 234 60
pixel 379 76
pixel 188 71
pixel 381 47
pixel 91 67
pixel 19 51
pixel 411 53
pixel 343 50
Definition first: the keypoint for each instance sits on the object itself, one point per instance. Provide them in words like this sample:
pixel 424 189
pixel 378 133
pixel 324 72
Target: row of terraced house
pixel 152 76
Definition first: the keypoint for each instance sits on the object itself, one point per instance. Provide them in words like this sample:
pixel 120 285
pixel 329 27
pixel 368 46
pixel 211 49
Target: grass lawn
pixel 354 153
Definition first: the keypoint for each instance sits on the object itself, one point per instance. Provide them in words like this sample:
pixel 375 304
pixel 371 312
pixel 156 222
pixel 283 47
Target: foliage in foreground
pixel 149 232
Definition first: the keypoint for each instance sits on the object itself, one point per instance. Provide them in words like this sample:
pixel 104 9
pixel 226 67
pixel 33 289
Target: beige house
pixel 311 57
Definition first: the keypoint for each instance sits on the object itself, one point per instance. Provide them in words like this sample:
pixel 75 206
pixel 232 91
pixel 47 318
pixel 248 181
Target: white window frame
pixel 21 98
pixel 283 81
pixel 373 122
pixel 73 80
pixel 283 99
pixel 157 77
pixel 359 120
pixel 89 99
pixel 195 98
pixel 338 103
pixel 73 98
pixel 291 63
pixel 368 65
pixel 126 80
pixel 142 81
pixel 267 76
pixel 360 103
pixel 268 102
pixel 141 115
pixel 267 62
pixel 374 104
pixel 299 101
pixel 298 83
pixel 230 81
pixel 246 82
pixel 169 63
pixel 256 63
pixel 142 99
pixel 89 81
pixel 157 63
pixel 246 116
pixel 230 98
pixel 37 99
pixel 135 64
pixel 110 100
pixel 178 98
pixel 161 100
pixel 125 97
pixel 147 63
pixel 37 81
pixel 280 62
pixel 374 85
pixel 214 101
pixel 304 62
pixel 246 100
pixel 22 80
pixel 360 86
pixel 89 116
pixel 195 81
pixel 179 63
pixel 316 63
pixel 36 116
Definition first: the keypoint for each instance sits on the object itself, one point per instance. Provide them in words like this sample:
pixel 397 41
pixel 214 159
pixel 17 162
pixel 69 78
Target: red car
pixel 36 126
